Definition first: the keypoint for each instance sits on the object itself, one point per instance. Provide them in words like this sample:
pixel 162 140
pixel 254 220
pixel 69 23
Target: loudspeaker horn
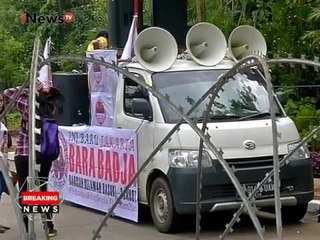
pixel 246 40
pixel 206 44
pixel 156 49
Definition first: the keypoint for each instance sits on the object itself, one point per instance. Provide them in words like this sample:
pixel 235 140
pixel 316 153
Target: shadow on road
pixel 210 223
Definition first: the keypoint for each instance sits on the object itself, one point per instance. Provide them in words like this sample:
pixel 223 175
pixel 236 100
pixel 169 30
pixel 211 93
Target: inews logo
pixel 34 18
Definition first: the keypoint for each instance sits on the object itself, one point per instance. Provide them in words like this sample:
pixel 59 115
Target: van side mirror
pixel 141 108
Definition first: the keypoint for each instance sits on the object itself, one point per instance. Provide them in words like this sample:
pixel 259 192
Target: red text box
pixel 40 198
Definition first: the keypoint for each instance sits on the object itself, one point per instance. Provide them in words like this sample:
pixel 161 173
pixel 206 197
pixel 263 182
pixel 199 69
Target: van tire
pixel 163 213
pixel 293 214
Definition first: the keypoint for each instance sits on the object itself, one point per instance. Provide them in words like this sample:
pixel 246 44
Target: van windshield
pixel 244 97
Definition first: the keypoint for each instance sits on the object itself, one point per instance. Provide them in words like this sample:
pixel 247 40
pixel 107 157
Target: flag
pixel 45 75
pixel 133 34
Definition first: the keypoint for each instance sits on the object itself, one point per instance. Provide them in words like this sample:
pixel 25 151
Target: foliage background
pixel 17 39
pixel 289 26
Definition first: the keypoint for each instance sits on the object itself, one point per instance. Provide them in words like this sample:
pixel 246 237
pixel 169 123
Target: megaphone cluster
pixel 206 44
pixel 156 49
pixel 246 40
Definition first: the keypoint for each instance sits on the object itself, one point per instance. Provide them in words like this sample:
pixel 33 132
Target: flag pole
pixel 136 7
pixel 127 52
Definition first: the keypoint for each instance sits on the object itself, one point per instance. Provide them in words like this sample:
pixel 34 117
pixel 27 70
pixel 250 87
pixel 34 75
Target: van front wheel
pixel 163 213
pixel 293 214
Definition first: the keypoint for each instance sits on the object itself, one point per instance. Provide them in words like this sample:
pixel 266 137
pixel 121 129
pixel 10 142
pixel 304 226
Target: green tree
pixel 314 20
pixel 17 39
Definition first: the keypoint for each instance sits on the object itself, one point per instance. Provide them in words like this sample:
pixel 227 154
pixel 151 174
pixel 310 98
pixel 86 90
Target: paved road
pixel 77 223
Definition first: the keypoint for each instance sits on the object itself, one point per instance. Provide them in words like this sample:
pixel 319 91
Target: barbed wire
pixel 298 86
pixel 304 117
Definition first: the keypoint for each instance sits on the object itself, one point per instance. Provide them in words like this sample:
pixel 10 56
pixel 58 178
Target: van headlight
pixel 188 159
pixel 300 153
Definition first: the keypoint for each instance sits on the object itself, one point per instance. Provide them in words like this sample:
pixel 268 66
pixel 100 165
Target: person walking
pixel 48 98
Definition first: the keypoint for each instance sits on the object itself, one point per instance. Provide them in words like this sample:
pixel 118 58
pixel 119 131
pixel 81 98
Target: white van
pixel 240 125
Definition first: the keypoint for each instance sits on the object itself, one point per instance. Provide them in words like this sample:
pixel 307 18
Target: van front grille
pixel 218 191
pixel 252 163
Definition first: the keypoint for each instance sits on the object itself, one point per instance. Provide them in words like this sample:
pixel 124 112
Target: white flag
pixel 133 34
pixel 45 75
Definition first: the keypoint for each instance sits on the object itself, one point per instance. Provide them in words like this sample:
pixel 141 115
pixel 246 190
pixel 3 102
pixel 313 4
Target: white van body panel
pixel 228 136
pixel 145 135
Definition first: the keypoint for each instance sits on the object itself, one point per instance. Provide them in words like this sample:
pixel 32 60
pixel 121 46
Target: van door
pixel 127 116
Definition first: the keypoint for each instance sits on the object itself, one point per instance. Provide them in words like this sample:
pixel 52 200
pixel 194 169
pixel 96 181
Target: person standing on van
pixel 48 101
pixel 101 41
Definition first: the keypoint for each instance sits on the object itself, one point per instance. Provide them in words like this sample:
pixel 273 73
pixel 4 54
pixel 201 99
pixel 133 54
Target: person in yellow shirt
pixel 101 41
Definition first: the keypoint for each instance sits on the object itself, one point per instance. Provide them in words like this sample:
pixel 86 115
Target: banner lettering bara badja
pixel 94 166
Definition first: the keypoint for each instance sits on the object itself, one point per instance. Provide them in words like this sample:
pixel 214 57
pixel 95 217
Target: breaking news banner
pixel 94 166
pixel 40 202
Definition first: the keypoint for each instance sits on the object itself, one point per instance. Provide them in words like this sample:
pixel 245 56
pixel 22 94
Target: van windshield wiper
pixel 218 117
pixel 260 114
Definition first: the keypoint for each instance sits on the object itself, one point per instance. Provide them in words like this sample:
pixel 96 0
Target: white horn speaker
pixel 206 44
pixel 156 49
pixel 246 40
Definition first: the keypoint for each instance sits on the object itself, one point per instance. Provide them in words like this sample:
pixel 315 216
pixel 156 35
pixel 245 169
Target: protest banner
pixel 94 166
pixel 102 83
pixel 101 110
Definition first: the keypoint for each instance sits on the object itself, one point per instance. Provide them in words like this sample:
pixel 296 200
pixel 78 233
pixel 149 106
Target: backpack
pixel 49 140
